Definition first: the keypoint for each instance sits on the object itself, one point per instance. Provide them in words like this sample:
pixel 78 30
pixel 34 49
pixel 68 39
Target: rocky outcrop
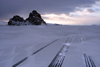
pixel 33 19
pixel 16 20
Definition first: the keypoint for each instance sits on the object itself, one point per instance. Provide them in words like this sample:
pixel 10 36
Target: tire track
pixel 44 47
pixel 19 62
pixel 59 58
pixel 33 53
pixel 88 61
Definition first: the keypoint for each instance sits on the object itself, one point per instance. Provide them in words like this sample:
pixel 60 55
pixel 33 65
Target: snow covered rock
pixel 16 20
pixel 35 18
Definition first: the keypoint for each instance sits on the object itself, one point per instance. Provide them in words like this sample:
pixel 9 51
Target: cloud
pixel 71 20
pixel 8 8
pixel 90 10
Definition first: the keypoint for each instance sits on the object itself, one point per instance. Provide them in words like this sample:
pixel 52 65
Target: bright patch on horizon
pixel 82 16
pixel 54 18
pixel 71 19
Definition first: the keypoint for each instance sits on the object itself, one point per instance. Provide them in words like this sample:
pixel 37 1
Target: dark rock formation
pixel 16 20
pixel 35 18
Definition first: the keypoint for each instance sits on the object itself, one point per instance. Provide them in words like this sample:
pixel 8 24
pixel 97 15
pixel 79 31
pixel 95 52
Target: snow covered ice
pixel 18 42
pixel 68 44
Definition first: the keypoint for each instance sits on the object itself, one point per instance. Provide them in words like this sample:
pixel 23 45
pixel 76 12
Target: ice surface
pixel 18 42
pixel 68 44
pixel 3 23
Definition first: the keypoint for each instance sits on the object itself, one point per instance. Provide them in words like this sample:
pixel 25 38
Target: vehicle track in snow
pixel 33 53
pixel 19 62
pixel 43 47
pixel 88 61
pixel 59 58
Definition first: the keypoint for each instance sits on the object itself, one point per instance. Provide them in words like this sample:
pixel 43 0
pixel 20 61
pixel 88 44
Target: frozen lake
pixel 40 44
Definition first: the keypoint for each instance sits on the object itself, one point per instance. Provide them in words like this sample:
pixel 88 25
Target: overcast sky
pixel 77 12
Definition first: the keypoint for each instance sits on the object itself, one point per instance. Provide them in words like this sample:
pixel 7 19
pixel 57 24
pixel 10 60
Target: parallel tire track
pixel 92 62
pixel 59 58
pixel 88 60
pixel 33 54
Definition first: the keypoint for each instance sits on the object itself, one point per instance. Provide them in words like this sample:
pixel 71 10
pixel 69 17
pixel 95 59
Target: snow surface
pixel 3 23
pixel 18 42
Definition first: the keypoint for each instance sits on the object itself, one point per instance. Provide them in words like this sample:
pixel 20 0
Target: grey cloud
pixel 90 10
pixel 78 9
pixel 9 8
